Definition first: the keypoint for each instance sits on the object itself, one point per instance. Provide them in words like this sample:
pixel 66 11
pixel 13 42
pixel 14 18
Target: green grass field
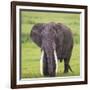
pixel 30 52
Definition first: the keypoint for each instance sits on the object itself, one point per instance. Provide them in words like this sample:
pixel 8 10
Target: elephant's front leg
pixel 45 65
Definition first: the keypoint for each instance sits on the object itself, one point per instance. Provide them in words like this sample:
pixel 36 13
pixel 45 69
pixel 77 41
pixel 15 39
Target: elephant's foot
pixel 48 74
pixel 66 69
pixel 45 73
pixel 52 74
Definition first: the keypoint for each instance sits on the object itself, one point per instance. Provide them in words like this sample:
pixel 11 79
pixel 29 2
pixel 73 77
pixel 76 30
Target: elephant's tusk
pixel 56 60
pixel 41 63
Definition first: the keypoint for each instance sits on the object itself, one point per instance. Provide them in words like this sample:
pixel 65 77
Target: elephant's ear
pixel 36 33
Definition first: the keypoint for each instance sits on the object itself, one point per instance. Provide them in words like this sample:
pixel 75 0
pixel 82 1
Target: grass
pixel 30 52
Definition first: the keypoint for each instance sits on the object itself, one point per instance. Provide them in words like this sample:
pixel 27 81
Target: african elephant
pixel 56 43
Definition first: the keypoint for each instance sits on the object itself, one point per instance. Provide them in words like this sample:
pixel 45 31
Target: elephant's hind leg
pixel 66 65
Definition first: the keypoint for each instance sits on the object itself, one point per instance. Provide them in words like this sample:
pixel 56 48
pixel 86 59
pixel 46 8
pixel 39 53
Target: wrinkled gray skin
pixel 49 37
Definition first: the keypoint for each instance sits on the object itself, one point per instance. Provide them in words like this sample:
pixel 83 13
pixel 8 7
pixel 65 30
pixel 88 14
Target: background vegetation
pixel 30 52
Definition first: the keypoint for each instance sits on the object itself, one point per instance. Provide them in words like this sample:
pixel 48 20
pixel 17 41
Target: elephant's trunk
pixel 51 61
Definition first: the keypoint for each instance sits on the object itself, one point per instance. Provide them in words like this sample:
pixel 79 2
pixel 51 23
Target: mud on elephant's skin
pixel 56 43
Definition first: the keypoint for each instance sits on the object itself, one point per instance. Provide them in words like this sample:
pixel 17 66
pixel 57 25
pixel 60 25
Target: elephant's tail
pixel 70 68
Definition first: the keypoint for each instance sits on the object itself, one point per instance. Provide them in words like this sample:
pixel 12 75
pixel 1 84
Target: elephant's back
pixel 64 50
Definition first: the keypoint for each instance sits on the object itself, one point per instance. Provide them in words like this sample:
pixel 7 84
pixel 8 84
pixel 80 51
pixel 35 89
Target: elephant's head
pixel 44 36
